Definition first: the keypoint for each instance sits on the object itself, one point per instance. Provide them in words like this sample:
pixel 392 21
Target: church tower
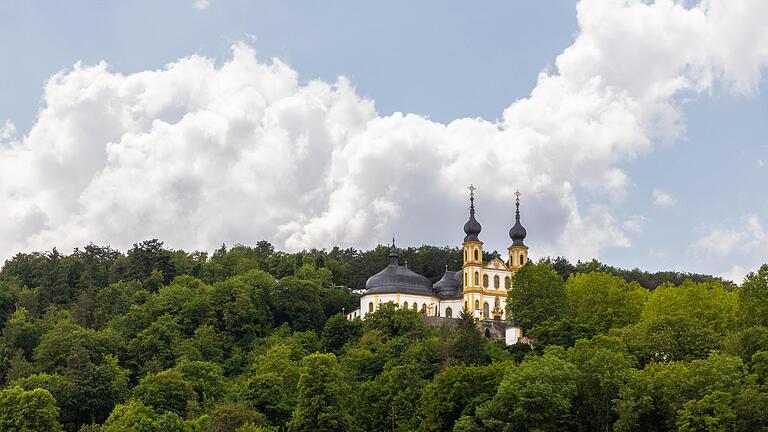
pixel 518 252
pixel 473 259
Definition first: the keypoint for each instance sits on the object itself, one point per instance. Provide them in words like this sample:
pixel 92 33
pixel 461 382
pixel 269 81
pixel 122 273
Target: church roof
pixel 398 279
pixel 450 285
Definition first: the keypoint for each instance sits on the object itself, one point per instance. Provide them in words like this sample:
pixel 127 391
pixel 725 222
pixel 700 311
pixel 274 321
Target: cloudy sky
pixel 636 131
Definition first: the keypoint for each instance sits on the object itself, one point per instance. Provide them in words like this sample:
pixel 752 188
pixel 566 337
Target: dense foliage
pixel 253 339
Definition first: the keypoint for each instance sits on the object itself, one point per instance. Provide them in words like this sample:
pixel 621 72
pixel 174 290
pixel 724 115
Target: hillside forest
pixel 249 338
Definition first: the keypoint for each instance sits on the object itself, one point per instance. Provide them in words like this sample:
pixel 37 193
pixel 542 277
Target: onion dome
pixel 448 286
pixel 397 279
pixel 472 228
pixel 517 233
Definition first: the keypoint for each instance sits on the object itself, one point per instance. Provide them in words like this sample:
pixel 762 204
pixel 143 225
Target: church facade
pixel 480 287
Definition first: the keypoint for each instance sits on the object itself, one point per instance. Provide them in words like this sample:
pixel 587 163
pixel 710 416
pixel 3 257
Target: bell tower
pixel 518 252
pixel 473 259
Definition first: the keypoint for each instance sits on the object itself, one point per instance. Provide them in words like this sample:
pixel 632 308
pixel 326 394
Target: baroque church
pixel 480 287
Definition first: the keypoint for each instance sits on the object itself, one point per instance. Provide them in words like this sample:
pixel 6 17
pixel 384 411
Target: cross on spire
pixel 472 189
pixel 517 204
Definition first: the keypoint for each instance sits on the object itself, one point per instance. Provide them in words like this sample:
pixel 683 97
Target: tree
pixel 602 301
pixel 298 303
pixel 536 395
pixel 28 410
pixel 752 295
pixel 456 392
pixel 712 413
pixel 338 331
pixel 322 397
pixel 467 344
pixel 231 417
pixel 537 295
pixel 147 256
pixel 166 391
pixel 241 305
pixel 154 348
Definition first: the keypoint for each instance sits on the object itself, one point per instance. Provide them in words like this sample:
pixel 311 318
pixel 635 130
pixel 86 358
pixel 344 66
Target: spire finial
pixel 472 189
pixel 517 205
pixel 393 252
pixel 393 240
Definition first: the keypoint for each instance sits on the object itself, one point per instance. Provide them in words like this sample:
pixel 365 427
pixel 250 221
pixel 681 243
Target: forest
pixel 249 338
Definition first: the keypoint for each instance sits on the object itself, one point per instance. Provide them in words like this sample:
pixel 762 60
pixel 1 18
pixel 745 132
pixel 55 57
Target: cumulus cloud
pixel 197 154
pixel 746 237
pixel 663 199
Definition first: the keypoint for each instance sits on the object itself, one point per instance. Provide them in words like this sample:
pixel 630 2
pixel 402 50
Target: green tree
pixel 712 413
pixel 602 301
pixel 154 348
pixel 538 295
pixel 338 331
pixel 28 410
pixel 536 395
pixel 298 303
pixel 322 397
pixel 752 297
pixel 467 344
pixel 166 391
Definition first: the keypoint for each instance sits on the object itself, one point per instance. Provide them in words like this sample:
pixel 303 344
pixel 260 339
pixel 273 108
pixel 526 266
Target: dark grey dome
pixel 472 228
pixel 517 233
pixel 449 286
pixel 398 279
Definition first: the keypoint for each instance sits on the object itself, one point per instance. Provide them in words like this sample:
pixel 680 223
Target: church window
pixel 477 304
pixel 465 305
pixel 415 306
pixel 424 308
pixel 485 280
pixel 522 259
pixel 496 282
pixel 405 305
pixel 507 282
pixel 465 255
pixel 476 256
pixel 486 311
pixel 448 312
pixel 370 307
pixel 465 279
pixel 477 278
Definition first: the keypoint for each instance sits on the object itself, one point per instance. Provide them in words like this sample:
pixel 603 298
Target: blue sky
pixel 442 61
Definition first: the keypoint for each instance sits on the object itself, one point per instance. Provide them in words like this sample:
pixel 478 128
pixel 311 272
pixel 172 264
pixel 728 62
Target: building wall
pixel 433 304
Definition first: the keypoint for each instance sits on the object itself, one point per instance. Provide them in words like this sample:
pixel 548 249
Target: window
pixel 465 279
pixel 465 305
pixel 476 255
pixel 486 311
pixel 415 306
pixel 405 305
pixel 485 280
pixel 496 282
pixel 465 254
pixel 370 307
pixel 477 278
pixel 477 304
pixel 507 282
pixel 448 312
pixel 522 259
pixel 487 333
pixel 423 308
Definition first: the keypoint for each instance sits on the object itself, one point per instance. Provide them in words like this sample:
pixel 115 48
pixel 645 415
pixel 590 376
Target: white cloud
pixel 7 131
pixel 664 199
pixel 735 274
pixel 634 224
pixel 760 163
pixel 202 4
pixel 748 237
pixel 197 154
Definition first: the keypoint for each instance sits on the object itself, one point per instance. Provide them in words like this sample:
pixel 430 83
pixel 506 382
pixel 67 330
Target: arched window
pixel 477 278
pixel 405 305
pixel 465 254
pixel 415 306
pixel 465 305
pixel 486 310
pixel 370 307
pixel 507 282
pixel 448 312
pixel 465 279
pixel 485 280
pixel 496 282
pixel 423 308
pixel 477 304
pixel 476 255
pixel 488 333
pixel 522 259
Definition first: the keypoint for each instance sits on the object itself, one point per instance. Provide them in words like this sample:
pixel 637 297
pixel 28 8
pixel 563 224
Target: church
pixel 480 287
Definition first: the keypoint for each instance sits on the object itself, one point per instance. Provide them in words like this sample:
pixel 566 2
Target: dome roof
pixel 449 286
pixel 517 233
pixel 398 279
pixel 472 228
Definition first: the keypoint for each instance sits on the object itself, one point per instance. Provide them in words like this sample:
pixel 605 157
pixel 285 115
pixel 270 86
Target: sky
pixel 635 130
